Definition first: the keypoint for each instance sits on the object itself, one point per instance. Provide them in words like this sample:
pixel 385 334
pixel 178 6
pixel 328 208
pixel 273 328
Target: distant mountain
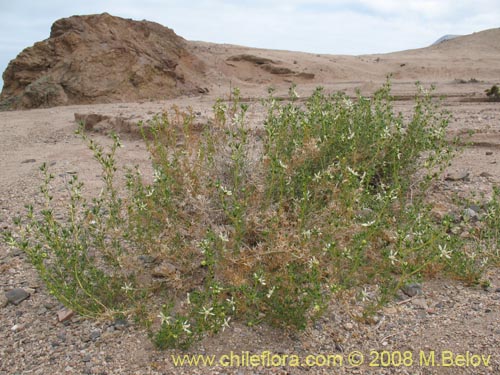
pixel 444 39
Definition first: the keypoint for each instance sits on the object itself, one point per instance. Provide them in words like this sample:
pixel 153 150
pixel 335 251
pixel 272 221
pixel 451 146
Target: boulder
pixel 98 59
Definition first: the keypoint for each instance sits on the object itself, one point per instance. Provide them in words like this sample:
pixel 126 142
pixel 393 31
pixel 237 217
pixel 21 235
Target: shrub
pixel 493 93
pixel 260 228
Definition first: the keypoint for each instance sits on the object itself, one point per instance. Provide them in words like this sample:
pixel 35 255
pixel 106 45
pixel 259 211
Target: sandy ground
pixel 447 317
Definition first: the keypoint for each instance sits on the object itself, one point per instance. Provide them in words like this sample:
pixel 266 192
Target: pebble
pixel 420 303
pixel 17 327
pixel 16 295
pixel 349 326
pixel 120 323
pixel 3 301
pixel 94 335
pixel 165 269
pixel 457 176
pixel 64 315
pixel 413 289
pixel 470 214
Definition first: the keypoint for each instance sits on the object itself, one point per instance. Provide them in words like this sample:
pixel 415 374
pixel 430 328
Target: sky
pixel 318 26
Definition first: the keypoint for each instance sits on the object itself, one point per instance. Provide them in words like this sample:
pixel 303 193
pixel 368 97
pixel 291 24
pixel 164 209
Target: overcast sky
pixel 318 26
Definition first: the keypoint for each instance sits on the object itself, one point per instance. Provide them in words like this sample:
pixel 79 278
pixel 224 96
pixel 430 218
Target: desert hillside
pixel 102 59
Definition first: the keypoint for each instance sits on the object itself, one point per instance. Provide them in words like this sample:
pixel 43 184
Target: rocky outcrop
pixel 267 65
pixel 101 58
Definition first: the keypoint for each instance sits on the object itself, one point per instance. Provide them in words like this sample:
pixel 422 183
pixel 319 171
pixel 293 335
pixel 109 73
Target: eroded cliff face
pixel 101 58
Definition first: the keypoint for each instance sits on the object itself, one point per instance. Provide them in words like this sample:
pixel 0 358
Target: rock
pixel 94 335
pixel 420 303
pixel 146 259
pixel 3 300
pixel 101 58
pixel 348 326
pixel 164 270
pixel 120 324
pixel 457 176
pixel 89 120
pixel 267 65
pixel 16 295
pixel 64 315
pixel 489 153
pixel 28 161
pixel 17 327
pixel 470 214
pixel 475 208
pixel 412 289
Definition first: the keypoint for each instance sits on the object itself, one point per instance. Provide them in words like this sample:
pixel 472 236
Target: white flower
pixel 231 302
pixel 156 175
pixel 354 173
pixel 127 287
pixel 364 295
pixel 351 134
pixel 444 253
pixel 271 291
pixel 150 192
pixel 392 257
pixel 282 165
pixel 216 289
pixel 185 327
pixel 164 319
pixel 306 233
pixel 313 262
pixel 260 279
pixel 223 237
pixel 226 323
pixel 226 191
pixel 207 312
pixel 368 224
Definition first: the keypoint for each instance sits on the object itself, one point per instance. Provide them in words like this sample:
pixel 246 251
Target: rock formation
pixel 101 58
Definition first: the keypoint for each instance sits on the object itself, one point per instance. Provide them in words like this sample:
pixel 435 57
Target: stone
pixel 164 270
pixel 348 326
pixel 120 323
pixel 94 335
pixel 64 314
pixel 457 176
pixel 16 295
pixel 413 289
pixel 3 300
pixel 470 214
pixel 17 327
pixel 420 303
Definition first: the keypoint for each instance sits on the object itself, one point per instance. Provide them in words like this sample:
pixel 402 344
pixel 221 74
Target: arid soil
pixel 444 316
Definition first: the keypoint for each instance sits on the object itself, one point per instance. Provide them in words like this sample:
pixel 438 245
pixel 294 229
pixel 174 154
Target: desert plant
pixel 257 228
pixel 493 93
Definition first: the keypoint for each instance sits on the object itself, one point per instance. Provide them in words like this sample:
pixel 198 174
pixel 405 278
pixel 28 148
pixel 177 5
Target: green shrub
pixel 259 228
pixel 493 93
